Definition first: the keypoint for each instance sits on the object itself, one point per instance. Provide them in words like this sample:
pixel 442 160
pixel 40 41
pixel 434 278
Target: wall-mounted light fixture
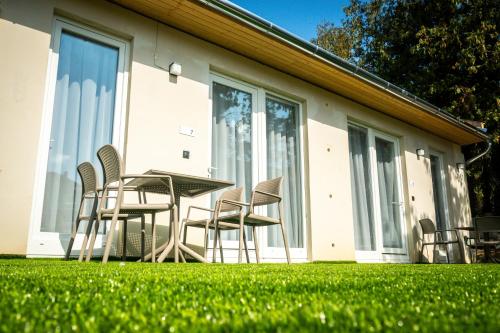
pixel 461 166
pixel 420 153
pixel 175 69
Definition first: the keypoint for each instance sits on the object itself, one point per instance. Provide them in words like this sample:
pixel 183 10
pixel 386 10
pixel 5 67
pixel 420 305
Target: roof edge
pixel 247 17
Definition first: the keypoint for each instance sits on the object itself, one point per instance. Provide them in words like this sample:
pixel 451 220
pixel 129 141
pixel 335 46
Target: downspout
pixel 475 158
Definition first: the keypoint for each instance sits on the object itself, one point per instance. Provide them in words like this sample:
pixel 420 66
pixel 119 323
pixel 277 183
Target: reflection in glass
pixel 232 140
pixel 283 159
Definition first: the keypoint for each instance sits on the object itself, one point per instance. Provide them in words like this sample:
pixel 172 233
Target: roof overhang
pixel 242 32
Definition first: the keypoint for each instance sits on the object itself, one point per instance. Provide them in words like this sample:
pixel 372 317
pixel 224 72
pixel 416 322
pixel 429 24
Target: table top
pixel 184 185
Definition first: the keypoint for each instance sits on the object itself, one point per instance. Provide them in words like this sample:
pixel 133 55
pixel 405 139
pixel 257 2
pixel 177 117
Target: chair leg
pixel 205 241
pixel 422 253
pixel 220 247
pixel 216 233
pixel 109 239
pixel 92 240
pixel 246 245
pixel 184 233
pixel 240 248
pixel 153 237
pixel 124 249
pixel 176 234
pixel 255 241
pixel 447 254
pixel 75 230
pixel 283 231
pixel 88 231
pixel 143 237
pixel 72 239
pixel 434 253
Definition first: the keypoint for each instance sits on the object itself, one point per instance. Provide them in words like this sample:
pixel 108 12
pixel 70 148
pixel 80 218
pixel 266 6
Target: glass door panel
pixel 390 200
pixel 232 110
pixel 82 122
pixel 438 191
pixel 361 189
pixel 283 151
pixel 377 198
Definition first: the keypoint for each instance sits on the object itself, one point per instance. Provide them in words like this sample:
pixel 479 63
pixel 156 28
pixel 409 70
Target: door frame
pixel 381 254
pixel 258 145
pixel 45 244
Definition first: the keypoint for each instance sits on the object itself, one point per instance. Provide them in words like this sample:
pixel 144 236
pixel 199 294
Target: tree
pixel 445 51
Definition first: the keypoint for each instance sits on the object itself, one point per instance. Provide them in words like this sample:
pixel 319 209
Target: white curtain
pixel 283 159
pixel 232 140
pixel 361 190
pixel 389 194
pixel 82 122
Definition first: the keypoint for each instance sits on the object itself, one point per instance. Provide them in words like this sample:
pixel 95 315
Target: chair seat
pixel 441 242
pixel 109 216
pixel 197 223
pixel 250 219
pixel 260 220
pixel 211 225
pixel 140 209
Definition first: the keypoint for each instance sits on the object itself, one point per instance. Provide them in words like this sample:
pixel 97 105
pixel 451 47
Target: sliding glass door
pixel 256 136
pixel 439 191
pixel 86 87
pixel 376 194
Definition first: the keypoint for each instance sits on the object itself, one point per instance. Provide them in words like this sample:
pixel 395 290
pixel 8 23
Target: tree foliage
pixel 445 51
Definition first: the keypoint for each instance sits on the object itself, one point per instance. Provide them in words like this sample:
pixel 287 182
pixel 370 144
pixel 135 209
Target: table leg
pixel 174 244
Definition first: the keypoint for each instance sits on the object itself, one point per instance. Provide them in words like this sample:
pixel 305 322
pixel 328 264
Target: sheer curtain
pixel 388 193
pixel 283 159
pixel 361 189
pixel 82 122
pixel 232 140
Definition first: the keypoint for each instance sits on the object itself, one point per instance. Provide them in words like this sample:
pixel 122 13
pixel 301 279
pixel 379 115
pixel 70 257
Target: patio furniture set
pixel 108 204
pixel 483 238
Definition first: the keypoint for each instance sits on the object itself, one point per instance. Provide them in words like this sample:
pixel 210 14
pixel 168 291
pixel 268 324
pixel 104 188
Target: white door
pixel 256 136
pixel 84 101
pixel 377 198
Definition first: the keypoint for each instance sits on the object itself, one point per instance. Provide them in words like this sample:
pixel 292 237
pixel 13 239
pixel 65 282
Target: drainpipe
pixel 475 158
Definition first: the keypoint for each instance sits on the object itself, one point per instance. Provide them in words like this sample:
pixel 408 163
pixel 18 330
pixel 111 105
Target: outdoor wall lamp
pixel 461 166
pixel 175 69
pixel 420 153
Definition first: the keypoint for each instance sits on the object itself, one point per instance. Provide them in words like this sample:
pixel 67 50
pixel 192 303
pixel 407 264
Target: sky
pixel 299 17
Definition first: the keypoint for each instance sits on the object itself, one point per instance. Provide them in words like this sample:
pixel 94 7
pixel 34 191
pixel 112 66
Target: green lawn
pixel 53 295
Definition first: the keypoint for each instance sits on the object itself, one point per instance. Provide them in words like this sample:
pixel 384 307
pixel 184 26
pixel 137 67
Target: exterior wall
pixel 159 105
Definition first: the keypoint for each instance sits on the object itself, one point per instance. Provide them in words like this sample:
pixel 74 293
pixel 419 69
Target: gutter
pixel 236 12
pixel 475 158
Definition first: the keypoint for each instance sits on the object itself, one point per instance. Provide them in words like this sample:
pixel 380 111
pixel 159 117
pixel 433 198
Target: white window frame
pixel 45 244
pixel 259 167
pixel 381 254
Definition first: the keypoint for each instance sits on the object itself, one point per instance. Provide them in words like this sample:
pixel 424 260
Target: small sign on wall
pixel 185 130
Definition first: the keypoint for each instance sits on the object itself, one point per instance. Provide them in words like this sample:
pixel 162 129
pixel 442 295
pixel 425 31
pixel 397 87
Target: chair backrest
pixel 272 186
pixel 487 224
pixel 235 194
pixel 428 226
pixel 111 164
pixel 89 178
